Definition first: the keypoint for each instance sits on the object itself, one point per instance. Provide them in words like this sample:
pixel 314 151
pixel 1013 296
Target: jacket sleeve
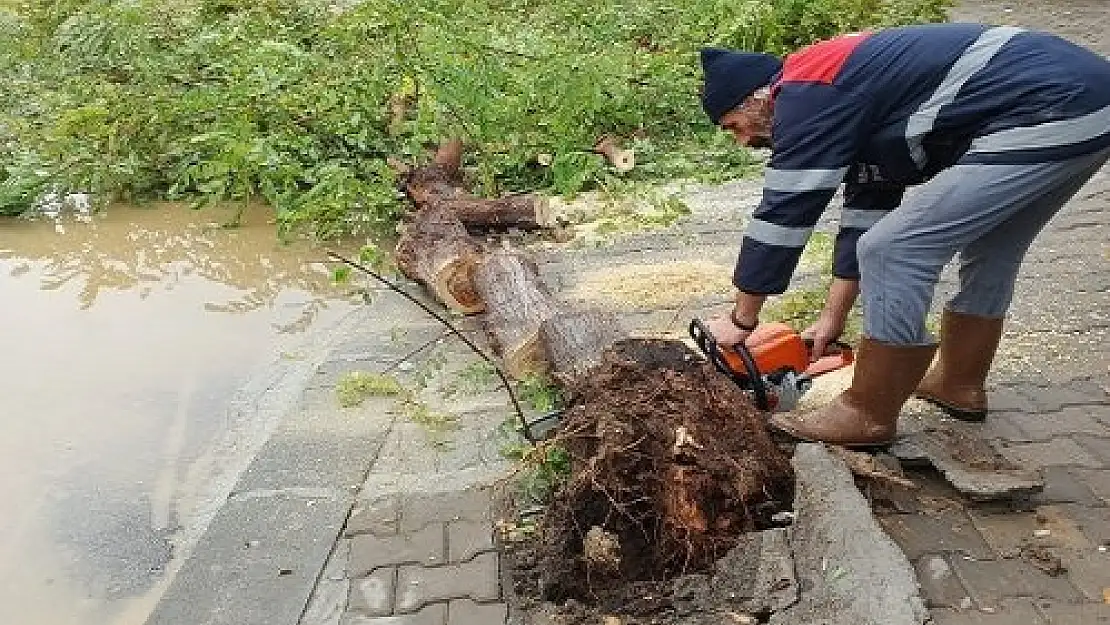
pixel 816 135
pixel 867 199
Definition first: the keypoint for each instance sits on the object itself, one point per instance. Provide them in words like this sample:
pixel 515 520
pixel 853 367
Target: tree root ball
pixel 670 464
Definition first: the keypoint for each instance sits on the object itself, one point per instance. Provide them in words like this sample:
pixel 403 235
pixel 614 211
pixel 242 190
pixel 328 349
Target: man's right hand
pixel 830 325
pixel 824 331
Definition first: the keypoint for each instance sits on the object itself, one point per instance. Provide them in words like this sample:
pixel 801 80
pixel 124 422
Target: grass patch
pixel 421 414
pixel 541 469
pixel 818 252
pixel 539 393
pixel 472 379
pixel 355 387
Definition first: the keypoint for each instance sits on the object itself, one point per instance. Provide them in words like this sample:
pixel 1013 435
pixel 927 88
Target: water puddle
pixel 122 337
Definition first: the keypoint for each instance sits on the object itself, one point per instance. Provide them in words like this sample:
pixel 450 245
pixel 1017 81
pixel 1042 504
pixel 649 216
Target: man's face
pixel 750 121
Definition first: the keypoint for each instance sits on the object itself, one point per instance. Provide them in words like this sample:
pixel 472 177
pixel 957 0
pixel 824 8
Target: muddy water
pixel 122 338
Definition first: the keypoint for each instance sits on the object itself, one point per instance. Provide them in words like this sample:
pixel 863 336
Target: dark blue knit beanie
pixel 730 77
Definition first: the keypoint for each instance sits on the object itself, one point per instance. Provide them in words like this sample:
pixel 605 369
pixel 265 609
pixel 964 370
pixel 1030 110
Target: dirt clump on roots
pixel 669 464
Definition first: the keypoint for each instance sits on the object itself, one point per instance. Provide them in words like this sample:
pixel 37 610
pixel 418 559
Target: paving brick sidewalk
pixel 1051 410
pixel 1050 398
pixel 414 559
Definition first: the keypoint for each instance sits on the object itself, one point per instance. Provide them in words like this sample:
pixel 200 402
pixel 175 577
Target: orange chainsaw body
pixel 776 346
pixel 773 363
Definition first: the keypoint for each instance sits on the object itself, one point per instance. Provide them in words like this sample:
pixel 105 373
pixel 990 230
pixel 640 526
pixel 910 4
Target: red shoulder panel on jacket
pixel 822 61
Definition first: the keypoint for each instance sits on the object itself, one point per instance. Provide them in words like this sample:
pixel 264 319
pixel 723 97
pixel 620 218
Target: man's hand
pixel 825 330
pixel 830 325
pixel 724 328
pixel 725 332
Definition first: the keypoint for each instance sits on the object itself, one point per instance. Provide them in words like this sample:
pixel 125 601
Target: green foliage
pixel 355 387
pixel 818 252
pixel 299 102
pixel 539 393
pixel 542 469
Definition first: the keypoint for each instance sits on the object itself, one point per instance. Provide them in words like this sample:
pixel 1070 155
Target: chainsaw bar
pixel 724 360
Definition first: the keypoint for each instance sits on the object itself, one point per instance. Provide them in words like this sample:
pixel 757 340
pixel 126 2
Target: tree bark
pixel 516 304
pixel 436 251
pixel 575 340
pixel 513 211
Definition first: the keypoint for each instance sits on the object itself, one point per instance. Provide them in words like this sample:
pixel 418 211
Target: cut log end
pixel 453 284
pixel 622 160
pixel 436 251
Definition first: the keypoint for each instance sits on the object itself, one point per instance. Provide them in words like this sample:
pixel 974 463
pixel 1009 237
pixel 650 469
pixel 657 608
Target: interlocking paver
pixel 1093 521
pixel 380 516
pixel 989 582
pixel 1070 420
pixel 1005 532
pixel 1054 397
pixel 1099 446
pixel 1047 526
pixel 1062 485
pixel 373 595
pixel 1003 399
pixel 1014 612
pixel 1098 482
pixel 949 531
pixel 1088 570
pixel 466 539
pixel 369 552
pixel 466 612
pixel 435 614
pixel 478 579
pixel 1056 452
pixel 1004 425
pixel 419 510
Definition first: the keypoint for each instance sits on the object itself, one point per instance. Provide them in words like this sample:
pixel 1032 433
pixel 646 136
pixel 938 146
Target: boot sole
pixel 962 414
pixel 865 447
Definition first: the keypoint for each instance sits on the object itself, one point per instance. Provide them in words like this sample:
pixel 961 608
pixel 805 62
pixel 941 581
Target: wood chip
pixel 864 465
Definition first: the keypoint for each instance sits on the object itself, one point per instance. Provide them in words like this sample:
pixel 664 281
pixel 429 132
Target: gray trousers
pixel 990 214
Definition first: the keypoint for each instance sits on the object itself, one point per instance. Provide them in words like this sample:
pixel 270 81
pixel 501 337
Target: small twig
pixel 440 318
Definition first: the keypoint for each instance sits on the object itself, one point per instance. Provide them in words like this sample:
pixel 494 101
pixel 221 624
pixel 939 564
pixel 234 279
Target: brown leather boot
pixel 865 415
pixel 956 382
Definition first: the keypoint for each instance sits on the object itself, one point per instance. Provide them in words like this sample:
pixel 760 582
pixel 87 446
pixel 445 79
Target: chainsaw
pixel 773 364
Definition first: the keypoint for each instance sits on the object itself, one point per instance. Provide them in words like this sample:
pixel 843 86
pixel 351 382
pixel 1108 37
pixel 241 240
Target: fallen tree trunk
pixel 440 184
pixel 516 303
pixel 513 211
pixel 576 340
pixel 436 251
pixel 668 460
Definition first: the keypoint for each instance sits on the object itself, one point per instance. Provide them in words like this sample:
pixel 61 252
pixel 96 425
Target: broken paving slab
pixel 849 570
pixel 969 463
pixel 757 575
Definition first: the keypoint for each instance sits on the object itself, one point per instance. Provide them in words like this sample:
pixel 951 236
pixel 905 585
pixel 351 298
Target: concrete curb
pixel 850 571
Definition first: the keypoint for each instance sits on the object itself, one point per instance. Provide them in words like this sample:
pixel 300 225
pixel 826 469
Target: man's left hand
pixel 725 332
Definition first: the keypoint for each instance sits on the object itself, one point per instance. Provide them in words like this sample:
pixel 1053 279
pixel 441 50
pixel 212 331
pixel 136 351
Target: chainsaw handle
pixel 840 356
pixel 731 361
